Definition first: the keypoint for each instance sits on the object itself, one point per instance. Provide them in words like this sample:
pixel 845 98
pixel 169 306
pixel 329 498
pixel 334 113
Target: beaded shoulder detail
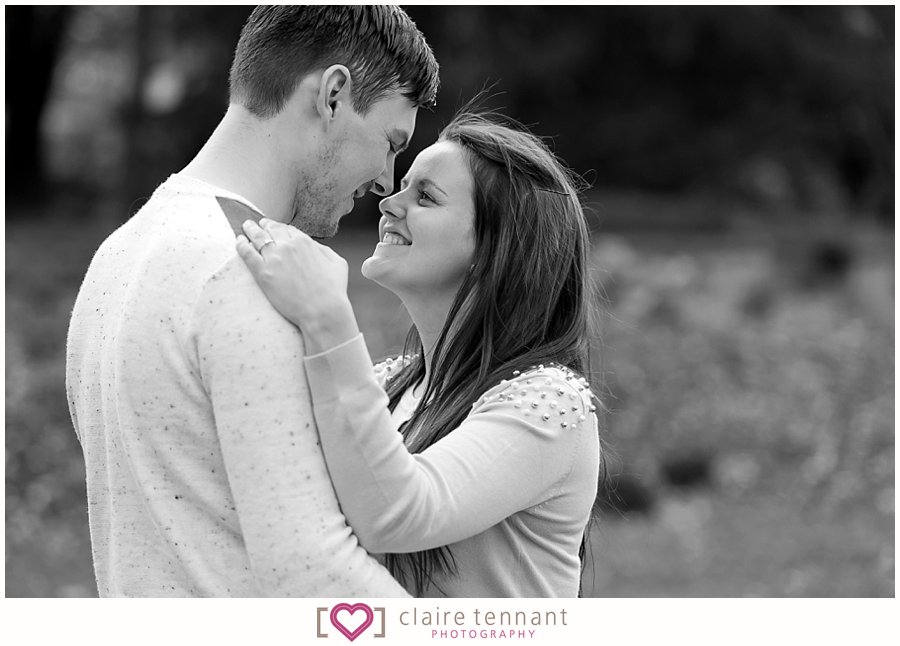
pixel 549 396
pixel 386 370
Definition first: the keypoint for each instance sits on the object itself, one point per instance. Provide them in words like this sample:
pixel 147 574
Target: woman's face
pixel 426 233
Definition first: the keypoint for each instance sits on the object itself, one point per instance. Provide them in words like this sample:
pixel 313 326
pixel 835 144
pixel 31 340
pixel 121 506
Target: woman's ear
pixel 334 92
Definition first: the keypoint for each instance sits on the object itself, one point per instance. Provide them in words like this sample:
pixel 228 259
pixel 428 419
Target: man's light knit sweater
pixel 188 394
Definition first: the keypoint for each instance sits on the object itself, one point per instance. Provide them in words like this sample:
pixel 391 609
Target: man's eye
pixel 425 196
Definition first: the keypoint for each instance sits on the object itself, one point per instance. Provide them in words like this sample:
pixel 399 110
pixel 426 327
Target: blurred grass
pixel 751 351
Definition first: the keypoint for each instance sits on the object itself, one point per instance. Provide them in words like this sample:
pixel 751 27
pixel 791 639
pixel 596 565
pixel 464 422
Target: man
pixel 186 388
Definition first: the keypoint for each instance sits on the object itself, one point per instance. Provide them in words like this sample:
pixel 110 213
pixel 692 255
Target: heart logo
pixel 352 610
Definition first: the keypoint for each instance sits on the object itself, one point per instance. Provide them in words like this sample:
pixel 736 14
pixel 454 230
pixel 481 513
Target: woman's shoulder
pixel 551 396
pixel 542 382
pixel 388 368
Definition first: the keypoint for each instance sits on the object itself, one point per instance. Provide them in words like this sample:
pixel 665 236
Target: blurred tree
pixel 34 34
pixel 784 106
pixel 181 58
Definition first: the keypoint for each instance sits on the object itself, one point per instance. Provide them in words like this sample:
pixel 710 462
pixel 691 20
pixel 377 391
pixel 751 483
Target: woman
pixel 488 487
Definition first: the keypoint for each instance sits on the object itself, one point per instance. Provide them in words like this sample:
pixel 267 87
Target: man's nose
pixel 384 183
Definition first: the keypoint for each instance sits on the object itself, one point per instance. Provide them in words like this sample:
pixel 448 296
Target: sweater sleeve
pixel 512 452
pixel 250 359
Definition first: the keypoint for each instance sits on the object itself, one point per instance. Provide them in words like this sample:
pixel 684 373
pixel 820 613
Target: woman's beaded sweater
pixel 510 490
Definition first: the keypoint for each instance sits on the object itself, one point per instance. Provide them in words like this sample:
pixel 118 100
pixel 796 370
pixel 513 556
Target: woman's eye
pixel 425 196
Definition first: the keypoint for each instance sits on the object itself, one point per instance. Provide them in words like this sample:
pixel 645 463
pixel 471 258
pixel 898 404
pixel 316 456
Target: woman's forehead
pixel 443 162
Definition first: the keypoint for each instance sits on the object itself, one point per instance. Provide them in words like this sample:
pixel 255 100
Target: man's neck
pixel 240 157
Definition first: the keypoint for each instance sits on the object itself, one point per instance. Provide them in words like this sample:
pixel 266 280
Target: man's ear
pixel 334 92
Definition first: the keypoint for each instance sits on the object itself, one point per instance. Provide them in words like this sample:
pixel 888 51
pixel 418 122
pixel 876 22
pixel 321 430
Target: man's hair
pixel 380 45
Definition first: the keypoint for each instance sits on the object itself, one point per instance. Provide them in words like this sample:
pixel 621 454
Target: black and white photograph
pixel 463 301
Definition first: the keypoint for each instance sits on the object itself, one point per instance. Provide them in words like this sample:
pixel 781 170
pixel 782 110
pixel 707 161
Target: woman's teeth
pixel 393 238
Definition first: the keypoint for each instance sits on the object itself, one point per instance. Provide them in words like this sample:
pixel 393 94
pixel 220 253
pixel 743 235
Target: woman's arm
pixel 514 451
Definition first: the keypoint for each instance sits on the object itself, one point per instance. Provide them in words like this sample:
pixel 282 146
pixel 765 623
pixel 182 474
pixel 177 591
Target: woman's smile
pixel 434 212
pixel 391 238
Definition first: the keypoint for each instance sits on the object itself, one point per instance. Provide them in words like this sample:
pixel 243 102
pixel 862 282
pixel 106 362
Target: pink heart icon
pixel 359 630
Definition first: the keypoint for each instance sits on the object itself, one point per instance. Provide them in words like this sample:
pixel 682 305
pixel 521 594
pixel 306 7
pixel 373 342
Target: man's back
pixel 187 391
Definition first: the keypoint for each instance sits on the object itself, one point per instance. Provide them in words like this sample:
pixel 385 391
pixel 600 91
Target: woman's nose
pixel 391 206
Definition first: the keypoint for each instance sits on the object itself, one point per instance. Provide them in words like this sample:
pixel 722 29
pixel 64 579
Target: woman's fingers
pixel 303 279
pixel 258 237
pixel 278 231
pixel 249 255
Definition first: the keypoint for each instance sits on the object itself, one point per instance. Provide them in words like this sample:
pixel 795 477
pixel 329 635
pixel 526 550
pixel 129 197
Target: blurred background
pixel 741 163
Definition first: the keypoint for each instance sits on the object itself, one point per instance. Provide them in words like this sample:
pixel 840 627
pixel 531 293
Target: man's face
pixel 357 156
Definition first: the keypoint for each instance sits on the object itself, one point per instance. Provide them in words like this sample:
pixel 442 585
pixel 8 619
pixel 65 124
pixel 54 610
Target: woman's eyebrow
pixel 427 182
pixel 423 183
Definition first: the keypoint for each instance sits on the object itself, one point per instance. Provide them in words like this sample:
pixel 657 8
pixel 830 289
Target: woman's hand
pixel 304 280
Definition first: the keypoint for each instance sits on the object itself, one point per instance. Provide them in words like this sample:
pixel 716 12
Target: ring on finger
pixel 263 245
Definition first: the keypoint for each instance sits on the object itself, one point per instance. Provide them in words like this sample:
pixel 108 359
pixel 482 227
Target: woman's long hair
pixel 524 302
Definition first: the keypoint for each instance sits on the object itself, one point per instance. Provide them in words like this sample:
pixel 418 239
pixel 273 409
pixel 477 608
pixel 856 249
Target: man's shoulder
pixel 187 196
pixel 231 300
pixel 181 241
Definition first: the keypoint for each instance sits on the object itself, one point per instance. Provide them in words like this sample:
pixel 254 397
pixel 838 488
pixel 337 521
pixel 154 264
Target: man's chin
pixel 330 233
pixel 332 228
pixel 316 229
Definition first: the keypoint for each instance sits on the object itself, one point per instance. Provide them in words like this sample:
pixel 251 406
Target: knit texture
pixel 188 394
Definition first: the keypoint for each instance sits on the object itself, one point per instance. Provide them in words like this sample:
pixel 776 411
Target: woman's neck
pixel 428 314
